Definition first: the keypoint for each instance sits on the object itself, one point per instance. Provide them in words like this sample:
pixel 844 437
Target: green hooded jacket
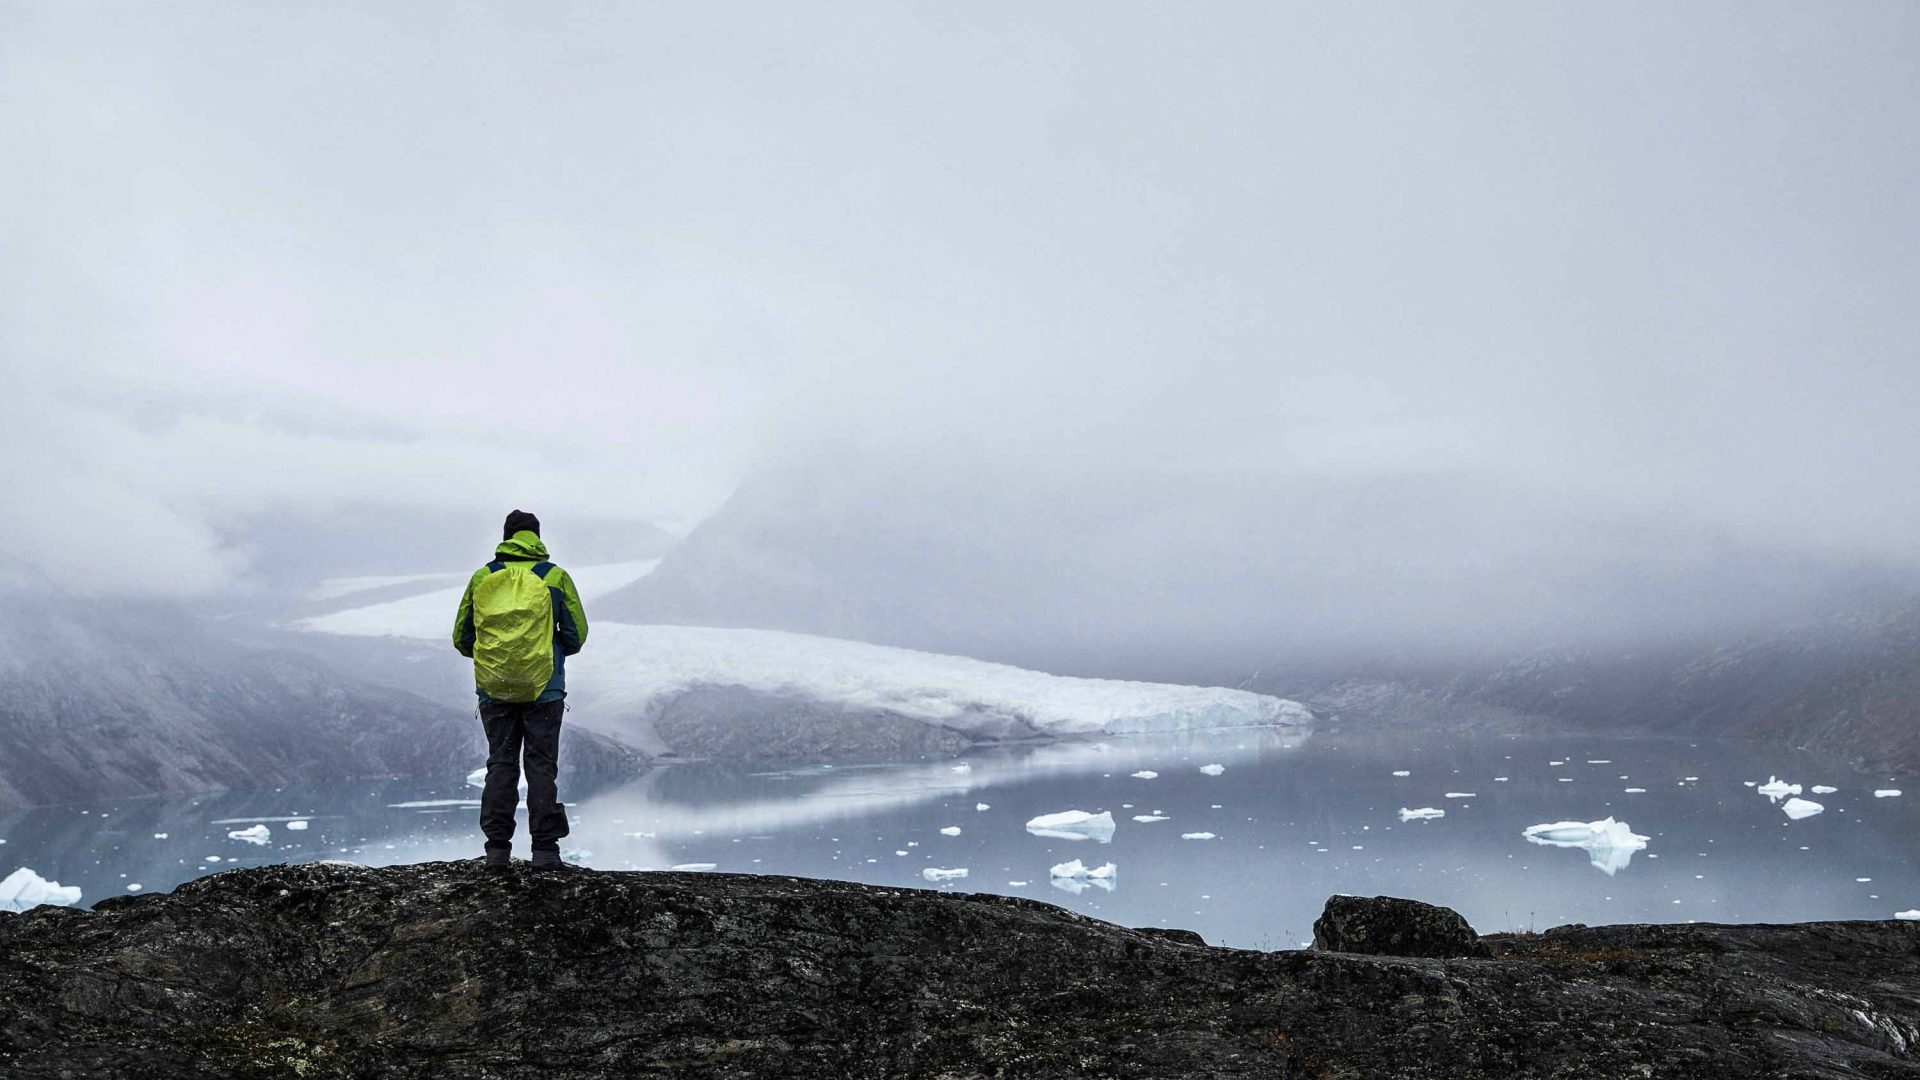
pixel 519 619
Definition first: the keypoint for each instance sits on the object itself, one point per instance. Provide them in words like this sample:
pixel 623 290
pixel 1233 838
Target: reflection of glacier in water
pixel 1294 819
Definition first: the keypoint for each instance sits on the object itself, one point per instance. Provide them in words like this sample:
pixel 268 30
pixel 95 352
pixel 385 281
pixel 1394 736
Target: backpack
pixel 513 631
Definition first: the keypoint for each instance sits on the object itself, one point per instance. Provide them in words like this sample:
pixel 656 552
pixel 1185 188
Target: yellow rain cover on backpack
pixel 513 634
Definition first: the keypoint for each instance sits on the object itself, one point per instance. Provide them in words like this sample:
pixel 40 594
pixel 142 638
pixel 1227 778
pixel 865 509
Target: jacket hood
pixel 524 544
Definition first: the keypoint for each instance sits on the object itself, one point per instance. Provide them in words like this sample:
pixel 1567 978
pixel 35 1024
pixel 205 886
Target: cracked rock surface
pixel 442 970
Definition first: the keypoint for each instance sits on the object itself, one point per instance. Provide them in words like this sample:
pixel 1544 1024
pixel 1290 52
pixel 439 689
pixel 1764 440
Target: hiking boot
pixel 546 860
pixel 499 858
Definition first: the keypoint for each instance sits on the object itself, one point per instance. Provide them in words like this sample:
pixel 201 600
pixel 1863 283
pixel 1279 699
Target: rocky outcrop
pixel 1391 926
pixel 441 970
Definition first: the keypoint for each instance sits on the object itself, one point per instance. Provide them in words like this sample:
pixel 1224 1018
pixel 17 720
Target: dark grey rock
pixel 1391 926
pixel 443 970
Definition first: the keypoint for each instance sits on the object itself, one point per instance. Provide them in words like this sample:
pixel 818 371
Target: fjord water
pixel 1294 818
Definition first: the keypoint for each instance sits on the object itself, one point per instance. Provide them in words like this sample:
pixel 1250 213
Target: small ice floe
pixel 1599 761
pixel 1609 844
pixel 1499 779
pixel 1074 825
pixel 1424 813
pixel 1214 769
pixel 982 806
pixel 1015 884
pixel 24 888
pixel 1461 795
pixel 962 767
pixel 1886 793
pixel 1801 808
pixel 1823 789
pixel 1149 817
pixel 690 866
pixel 1777 789
pixel 951 830
pixel 297 824
pixel 1556 763
pixel 159 836
pixel 1751 783
pixel 1403 772
pixel 134 886
pixel 935 873
pixel 1074 868
pixel 1911 913
pixel 1636 791
pixel 1145 774
pixel 258 835
pixel 1196 836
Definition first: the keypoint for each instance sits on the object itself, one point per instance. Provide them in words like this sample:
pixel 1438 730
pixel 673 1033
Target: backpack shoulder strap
pixel 540 570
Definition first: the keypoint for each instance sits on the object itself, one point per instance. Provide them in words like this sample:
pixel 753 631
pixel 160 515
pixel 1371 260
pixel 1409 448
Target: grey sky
pixel 270 259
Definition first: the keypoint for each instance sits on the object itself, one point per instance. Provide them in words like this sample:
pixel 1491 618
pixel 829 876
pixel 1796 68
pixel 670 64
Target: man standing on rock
pixel 519 620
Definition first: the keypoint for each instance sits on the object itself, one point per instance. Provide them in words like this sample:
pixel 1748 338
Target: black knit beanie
pixel 518 520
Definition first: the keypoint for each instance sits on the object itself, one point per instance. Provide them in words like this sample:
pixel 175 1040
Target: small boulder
pixel 1390 926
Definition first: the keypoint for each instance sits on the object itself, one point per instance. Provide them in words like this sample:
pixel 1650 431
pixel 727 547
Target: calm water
pixel 1294 821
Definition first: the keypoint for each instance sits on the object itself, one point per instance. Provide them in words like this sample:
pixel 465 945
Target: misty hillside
pixel 1211 580
pixel 134 699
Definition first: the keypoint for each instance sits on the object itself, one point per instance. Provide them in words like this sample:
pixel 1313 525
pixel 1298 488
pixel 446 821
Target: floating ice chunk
pixel 1461 795
pixel 297 824
pixel 1149 817
pixel 935 873
pixel 1074 825
pixel 962 767
pixel 1499 779
pixel 1801 808
pixel 1636 791
pixel 159 836
pixel 951 830
pixel 1886 793
pixel 1145 774
pixel 258 835
pixel 982 806
pixel 1074 868
pixel 1424 813
pixel 1403 772
pixel 1214 769
pixel 1912 913
pixel 1776 788
pixel 689 866
pixel 1015 884
pixel 1599 761
pixel 1751 783
pixel 1609 844
pixel 134 886
pixel 25 888
pixel 1196 836
pixel 1823 789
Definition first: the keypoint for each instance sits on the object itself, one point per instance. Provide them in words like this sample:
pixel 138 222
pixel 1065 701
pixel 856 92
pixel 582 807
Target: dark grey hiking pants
pixel 512 728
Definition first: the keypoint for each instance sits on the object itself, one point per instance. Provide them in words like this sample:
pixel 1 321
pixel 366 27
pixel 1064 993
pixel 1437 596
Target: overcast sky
pixel 262 260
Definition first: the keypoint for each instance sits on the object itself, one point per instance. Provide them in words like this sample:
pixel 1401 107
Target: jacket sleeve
pixel 463 633
pixel 569 618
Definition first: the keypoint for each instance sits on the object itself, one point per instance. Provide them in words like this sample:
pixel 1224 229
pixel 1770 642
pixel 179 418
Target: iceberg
pixel 1424 813
pixel 1777 789
pixel 1911 913
pixel 1886 793
pixel 1609 844
pixel 935 873
pixel 1823 789
pixel 1074 868
pixel 980 806
pixel 297 824
pixel 1403 772
pixel 1213 770
pixel 1196 836
pixel 1145 774
pixel 1149 817
pixel 1074 825
pixel 1802 808
pixel 24 889
pixel 258 835
pixel 1461 795
pixel 951 830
